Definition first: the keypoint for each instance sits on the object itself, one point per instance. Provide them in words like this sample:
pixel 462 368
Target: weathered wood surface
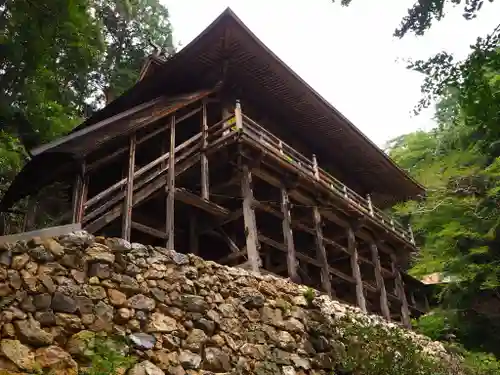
pixel 249 219
pixel 321 252
pixel 42 233
pixel 170 190
pixel 129 190
pixel 291 258
pixel 384 305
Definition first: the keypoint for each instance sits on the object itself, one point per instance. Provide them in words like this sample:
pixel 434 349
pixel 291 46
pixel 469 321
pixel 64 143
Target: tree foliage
pixel 60 58
pixel 458 222
pixel 424 13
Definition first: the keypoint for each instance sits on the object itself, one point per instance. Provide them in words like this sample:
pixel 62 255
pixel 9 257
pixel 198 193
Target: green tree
pixel 58 58
pixel 423 13
pixel 130 27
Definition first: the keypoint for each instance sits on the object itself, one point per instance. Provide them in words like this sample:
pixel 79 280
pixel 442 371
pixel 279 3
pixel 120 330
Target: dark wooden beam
pixel 80 194
pixel 304 258
pixel 400 292
pixel 205 192
pixel 148 230
pixel 195 200
pixel 129 189
pixel 356 273
pixel 29 216
pixel 222 221
pixel 291 259
pixel 251 235
pixel 321 252
pixel 384 305
pixel 107 159
pixel 170 189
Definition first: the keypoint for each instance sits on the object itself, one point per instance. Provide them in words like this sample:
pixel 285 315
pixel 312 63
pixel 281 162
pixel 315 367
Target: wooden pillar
pixel 384 305
pixel 29 216
pixel 400 291
pixel 321 252
pixel 252 241
pixel 193 235
pixel 426 302
pixel 356 273
pixel 291 260
pixel 370 204
pixel 79 194
pixel 205 192
pixel 226 112
pixel 129 190
pixel 412 298
pixel 412 237
pixel 170 187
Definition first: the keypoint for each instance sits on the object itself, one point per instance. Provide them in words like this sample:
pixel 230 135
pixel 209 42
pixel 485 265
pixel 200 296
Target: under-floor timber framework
pixel 206 178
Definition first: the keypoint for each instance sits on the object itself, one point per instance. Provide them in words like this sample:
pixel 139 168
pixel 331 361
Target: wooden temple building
pixel 223 151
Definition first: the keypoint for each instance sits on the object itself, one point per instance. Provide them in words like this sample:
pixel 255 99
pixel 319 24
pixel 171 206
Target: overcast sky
pixel 348 54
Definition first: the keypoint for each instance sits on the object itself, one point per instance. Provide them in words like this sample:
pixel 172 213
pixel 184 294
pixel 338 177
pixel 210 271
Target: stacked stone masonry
pixel 179 313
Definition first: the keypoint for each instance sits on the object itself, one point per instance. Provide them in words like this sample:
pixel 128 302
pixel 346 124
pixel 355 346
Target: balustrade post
pixel 315 167
pixel 238 116
pixel 129 190
pixel 412 238
pixel 370 205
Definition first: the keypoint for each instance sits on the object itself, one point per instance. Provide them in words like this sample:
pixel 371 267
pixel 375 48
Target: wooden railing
pixel 216 135
pixel 150 177
pixel 310 167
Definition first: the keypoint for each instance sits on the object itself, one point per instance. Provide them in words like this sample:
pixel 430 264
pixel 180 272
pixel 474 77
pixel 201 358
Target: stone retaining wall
pixel 180 314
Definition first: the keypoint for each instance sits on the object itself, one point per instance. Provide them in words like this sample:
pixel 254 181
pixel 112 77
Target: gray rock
pixel 142 341
pixel 208 326
pixel 100 270
pixel 5 290
pixel 15 279
pixel 6 258
pixel 18 353
pixel 145 368
pixel 178 258
pixel 19 261
pixel 141 302
pixel 216 360
pixel 48 283
pixel 161 323
pixel 158 294
pixel 70 322
pixel 118 244
pixel 42 301
pixel 104 311
pixel 45 318
pixel 116 297
pixel 194 303
pixel 28 305
pixel 195 340
pixel 288 370
pixel 123 315
pixel 84 304
pixel 41 255
pixel 94 292
pixel 63 303
pixel 98 253
pixel 189 360
pixel 30 333
pixel 253 300
pixel 54 247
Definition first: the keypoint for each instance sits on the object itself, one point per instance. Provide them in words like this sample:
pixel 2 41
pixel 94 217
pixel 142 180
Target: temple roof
pixel 227 50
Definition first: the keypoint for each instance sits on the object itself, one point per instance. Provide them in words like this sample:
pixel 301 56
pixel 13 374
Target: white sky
pixel 348 54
